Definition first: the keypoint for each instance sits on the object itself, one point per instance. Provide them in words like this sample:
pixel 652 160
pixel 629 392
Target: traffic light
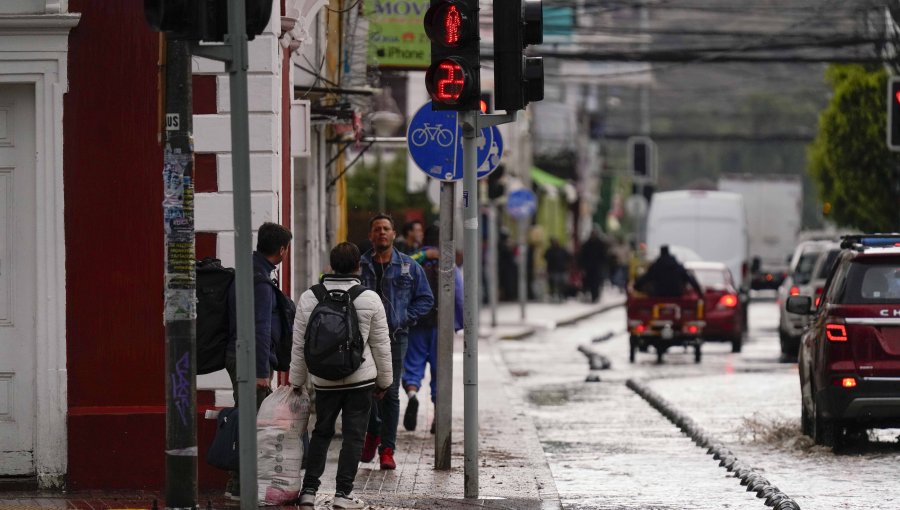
pixel 453 80
pixel 204 20
pixel 518 79
pixel 642 156
pixel 893 114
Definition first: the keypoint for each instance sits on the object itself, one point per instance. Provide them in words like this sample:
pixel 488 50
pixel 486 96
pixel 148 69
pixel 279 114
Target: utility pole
pixel 443 409
pixel 180 280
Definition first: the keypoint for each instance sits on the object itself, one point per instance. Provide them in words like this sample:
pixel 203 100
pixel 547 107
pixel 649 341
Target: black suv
pixel 849 359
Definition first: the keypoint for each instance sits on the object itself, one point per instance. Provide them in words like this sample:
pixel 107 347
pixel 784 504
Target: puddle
pixel 549 396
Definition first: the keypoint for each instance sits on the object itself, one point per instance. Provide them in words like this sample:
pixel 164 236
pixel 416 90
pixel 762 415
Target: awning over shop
pixel 552 184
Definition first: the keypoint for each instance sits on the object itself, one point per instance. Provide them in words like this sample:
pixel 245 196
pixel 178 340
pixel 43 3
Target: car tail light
pixel 691 329
pixel 836 332
pixel 819 295
pixel 848 382
pixel 795 290
pixel 640 328
pixel 769 277
pixel 728 301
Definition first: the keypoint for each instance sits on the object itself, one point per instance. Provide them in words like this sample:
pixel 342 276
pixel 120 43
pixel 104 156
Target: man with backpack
pixel 401 284
pixel 423 335
pixel 341 341
pixel 272 246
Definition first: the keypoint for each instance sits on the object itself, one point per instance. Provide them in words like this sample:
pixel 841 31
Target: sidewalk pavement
pixel 513 472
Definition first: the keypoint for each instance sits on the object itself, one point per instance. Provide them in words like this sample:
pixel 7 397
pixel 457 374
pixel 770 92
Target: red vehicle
pixel 722 303
pixel 663 322
pixel 849 360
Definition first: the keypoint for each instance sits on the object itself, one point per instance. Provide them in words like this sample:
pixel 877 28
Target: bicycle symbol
pixel 437 133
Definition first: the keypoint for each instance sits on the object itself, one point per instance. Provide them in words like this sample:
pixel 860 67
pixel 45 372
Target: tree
pixel 849 158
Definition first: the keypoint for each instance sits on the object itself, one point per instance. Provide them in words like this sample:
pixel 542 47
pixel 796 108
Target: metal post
pixel 493 270
pixel 180 312
pixel 443 412
pixel 382 178
pixel 523 270
pixel 243 252
pixel 471 264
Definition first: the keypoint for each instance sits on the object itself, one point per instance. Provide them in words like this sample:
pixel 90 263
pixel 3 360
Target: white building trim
pixel 34 50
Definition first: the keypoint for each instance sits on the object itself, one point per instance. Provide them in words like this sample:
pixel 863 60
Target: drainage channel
pixel 749 477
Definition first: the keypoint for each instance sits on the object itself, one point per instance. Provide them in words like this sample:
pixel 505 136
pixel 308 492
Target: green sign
pixel 396 34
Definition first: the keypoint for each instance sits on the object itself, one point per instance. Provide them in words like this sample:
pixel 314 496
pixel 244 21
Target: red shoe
pixel 370 447
pixel 387 459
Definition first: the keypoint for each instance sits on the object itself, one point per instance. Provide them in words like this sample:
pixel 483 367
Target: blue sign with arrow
pixel 521 203
pixel 435 145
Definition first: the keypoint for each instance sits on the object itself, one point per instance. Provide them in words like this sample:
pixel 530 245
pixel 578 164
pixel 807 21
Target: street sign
pixel 521 203
pixel 435 145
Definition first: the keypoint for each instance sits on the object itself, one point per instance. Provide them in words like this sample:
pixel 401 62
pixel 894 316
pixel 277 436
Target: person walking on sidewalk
pixel 592 259
pixel 351 397
pixel 423 335
pixel 403 288
pixel 411 237
pixel 557 259
pixel 272 246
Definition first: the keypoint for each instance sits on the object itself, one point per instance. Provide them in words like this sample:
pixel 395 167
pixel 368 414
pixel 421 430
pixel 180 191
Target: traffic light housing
pixel 642 158
pixel 204 20
pixel 454 78
pixel 893 114
pixel 518 79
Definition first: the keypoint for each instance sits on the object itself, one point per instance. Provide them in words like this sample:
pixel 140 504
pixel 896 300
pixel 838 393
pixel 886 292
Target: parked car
pixel 849 361
pixel 808 270
pixel 722 303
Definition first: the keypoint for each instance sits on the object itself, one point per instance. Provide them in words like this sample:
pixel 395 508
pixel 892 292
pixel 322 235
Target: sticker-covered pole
pixel 180 282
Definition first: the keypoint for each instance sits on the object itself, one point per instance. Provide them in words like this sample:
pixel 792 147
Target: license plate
pixel 667 333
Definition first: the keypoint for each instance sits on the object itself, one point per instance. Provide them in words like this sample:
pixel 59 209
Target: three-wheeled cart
pixel 663 322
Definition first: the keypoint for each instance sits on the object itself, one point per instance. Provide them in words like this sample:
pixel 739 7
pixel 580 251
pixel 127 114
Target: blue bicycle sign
pixel 435 144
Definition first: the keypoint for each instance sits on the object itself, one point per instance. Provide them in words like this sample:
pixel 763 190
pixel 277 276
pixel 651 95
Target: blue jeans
pixel 422 349
pixel 386 412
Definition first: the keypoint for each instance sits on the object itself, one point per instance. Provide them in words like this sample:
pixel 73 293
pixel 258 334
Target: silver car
pixel 803 279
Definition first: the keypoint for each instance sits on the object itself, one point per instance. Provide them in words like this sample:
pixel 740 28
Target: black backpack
pixel 213 283
pixel 224 452
pixel 334 344
pixel 287 310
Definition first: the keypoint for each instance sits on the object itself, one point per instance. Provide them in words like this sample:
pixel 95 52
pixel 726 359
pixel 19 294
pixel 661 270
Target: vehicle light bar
pixel 870 240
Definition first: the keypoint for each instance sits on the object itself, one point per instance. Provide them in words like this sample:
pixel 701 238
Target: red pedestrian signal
pixel 453 79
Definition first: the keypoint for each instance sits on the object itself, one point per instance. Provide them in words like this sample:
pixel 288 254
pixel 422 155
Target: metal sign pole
pixel 523 261
pixel 471 263
pixel 443 411
pixel 493 269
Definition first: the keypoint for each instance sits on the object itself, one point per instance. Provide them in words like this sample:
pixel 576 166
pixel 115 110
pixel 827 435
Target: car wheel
pixel 823 431
pixel 659 354
pixel 697 354
pixel 737 342
pixel 783 338
pixel 805 421
pixel 632 348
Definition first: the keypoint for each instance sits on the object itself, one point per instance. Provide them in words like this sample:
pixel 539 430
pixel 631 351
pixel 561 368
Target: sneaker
pixel 387 459
pixel 412 409
pixel 370 447
pixel 347 501
pixel 308 499
pixel 233 490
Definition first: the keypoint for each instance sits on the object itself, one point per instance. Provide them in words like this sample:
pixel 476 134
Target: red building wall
pixel 114 254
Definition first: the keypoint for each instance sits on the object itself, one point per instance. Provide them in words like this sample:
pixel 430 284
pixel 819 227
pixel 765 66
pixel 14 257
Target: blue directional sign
pixel 521 203
pixel 435 145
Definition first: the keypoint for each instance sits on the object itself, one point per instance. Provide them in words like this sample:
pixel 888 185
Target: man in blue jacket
pixel 403 288
pixel 272 245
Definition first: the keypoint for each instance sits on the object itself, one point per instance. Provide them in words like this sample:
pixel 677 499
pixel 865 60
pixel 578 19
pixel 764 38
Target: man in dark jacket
pixel 666 277
pixel 272 245
pixel 593 260
pixel 557 259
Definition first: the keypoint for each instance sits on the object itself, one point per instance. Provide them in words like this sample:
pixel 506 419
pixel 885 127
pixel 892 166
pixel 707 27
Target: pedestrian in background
pixel 412 234
pixel 557 259
pixel 401 284
pixel 272 247
pixel 424 334
pixel 350 397
pixel 592 259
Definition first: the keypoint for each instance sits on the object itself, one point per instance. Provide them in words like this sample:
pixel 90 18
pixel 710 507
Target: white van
pixel 713 224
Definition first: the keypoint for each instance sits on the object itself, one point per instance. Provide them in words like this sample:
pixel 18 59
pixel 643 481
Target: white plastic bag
pixel 280 424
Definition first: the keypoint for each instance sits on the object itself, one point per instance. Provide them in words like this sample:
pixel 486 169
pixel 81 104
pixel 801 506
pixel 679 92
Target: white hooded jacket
pixel 376 366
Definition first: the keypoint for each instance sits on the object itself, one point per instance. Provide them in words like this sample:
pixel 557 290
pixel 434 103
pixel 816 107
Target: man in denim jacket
pixel 404 290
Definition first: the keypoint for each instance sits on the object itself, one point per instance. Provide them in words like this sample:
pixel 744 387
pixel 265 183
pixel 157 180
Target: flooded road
pixel 609 449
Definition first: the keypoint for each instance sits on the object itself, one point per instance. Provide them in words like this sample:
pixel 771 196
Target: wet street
pixel 609 449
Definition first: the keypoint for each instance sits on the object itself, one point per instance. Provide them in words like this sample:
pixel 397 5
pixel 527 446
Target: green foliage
pixel 849 159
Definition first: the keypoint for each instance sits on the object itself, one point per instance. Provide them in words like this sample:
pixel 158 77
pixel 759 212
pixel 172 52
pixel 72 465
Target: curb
pixel 527 331
pixel 749 476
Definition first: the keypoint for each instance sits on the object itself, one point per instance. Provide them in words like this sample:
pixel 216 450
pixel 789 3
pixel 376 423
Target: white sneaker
pixel 307 499
pixel 341 501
